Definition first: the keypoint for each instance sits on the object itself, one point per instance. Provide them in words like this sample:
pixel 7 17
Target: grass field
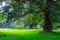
pixel 16 34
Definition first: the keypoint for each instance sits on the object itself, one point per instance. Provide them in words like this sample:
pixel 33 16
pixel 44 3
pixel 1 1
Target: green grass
pixel 16 34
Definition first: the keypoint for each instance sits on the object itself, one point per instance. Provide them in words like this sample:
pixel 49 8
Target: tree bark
pixel 48 26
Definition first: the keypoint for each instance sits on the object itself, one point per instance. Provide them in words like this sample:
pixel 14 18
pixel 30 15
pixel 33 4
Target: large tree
pixel 44 5
pixel 48 24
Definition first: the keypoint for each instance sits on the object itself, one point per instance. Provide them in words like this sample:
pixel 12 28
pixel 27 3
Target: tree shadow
pixel 52 33
pixel 56 33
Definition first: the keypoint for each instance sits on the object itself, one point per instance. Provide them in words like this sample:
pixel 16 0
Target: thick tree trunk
pixel 48 26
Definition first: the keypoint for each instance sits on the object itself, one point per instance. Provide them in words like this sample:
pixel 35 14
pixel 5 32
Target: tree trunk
pixel 48 26
pixel 31 26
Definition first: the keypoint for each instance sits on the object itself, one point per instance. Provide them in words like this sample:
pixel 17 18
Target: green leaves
pixel 1 17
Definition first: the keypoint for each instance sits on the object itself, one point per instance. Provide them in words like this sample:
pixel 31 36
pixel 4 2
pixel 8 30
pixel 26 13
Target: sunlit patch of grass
pixel 19 31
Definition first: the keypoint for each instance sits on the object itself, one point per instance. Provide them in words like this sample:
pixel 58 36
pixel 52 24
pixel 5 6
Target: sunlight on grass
pixel 19 31
pixel 28 34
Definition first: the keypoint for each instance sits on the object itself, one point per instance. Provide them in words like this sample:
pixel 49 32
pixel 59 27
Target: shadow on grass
pixel 56 33
pixel 2 34
pixel 48 33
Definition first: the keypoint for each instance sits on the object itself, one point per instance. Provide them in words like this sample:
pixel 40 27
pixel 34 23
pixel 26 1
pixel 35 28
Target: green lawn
pixel 16 34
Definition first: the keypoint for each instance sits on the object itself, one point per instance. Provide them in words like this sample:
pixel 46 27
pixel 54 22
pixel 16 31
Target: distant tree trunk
pixel 48 26
pixel 31 26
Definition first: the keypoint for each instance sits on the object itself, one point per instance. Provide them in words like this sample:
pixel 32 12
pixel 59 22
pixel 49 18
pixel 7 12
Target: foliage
pixel 31 10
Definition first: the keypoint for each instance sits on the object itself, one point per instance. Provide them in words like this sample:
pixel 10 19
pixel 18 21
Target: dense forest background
pixel 29 14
